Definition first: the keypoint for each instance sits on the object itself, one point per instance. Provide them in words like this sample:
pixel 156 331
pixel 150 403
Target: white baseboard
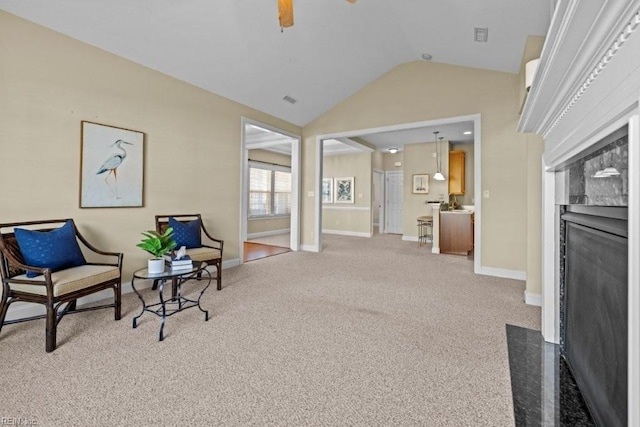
pixel 410 238
pixel 20 310
pixel 346 233
pixel 500 272
pixel 309 248
pixel 268 233
pixel 435 250
pixel 230 263
pixel 533 299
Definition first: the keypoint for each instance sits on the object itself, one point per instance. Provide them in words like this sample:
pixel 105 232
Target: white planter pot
pixel 155 265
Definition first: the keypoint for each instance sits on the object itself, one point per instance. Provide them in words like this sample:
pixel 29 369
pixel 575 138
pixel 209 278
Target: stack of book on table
pixel 184 263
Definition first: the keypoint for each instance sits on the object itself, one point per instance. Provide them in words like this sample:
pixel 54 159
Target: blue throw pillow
pixel 186 233
pixel 57 249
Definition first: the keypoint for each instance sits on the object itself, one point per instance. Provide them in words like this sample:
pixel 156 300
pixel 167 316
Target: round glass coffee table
pixel 177 302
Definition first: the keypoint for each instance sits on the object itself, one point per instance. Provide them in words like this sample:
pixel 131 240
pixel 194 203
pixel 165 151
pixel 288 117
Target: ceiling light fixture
pixel 393 150
pixel 426 57
pixel 438 175
pixel 467 132
pixel 285 13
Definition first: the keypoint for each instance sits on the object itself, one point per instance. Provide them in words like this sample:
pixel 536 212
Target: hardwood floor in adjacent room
pixel 254 251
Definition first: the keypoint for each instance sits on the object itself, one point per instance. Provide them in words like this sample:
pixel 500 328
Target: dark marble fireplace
pixel 593 308
pixel 593 279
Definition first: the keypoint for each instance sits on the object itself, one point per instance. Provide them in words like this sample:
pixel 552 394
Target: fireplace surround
pixel 587 88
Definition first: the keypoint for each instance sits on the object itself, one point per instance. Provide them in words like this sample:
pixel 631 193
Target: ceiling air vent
pixel 289 99
pixel 481 34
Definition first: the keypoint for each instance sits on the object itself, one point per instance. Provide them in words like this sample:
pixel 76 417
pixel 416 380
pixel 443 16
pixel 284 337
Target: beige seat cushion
pixel 203 254
pixel 70 280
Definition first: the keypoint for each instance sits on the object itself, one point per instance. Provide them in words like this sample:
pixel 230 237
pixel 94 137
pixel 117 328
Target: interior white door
pixel 393 212
pixel 376 204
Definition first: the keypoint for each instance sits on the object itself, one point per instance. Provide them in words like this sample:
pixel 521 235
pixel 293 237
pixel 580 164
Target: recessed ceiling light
pixel 393 150
pixel 481 34
pixel 467 132
pixel 426 57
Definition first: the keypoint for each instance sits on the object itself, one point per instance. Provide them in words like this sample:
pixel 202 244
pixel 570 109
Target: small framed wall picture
pixel 327 190
pixel 420 184
pixel 343 190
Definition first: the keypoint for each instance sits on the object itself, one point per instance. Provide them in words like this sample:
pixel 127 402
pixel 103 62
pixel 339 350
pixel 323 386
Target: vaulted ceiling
pixel 236 49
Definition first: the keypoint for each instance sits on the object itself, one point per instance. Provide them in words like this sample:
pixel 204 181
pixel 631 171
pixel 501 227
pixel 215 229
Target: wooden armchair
pixel 189 231
pixel 55 276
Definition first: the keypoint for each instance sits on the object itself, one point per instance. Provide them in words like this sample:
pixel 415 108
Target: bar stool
pixel 425 230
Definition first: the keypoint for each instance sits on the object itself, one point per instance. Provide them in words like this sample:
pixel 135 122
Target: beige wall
pixel 420 91
pixel 389 160
pixel 258 155
pixel 268 224
pixel 535 148
pixel 49 83
pixel 347 217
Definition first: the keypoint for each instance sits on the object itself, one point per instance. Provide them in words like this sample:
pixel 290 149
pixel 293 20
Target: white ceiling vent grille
pixel 481 34
pixel 289 99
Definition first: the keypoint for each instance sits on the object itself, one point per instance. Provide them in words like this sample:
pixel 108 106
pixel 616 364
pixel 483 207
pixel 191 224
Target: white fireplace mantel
pixel 587 86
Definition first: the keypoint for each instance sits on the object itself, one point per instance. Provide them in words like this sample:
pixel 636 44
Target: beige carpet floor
pixel 369 332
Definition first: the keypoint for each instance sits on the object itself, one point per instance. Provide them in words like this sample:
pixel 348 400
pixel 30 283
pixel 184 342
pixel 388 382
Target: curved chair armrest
pixel 113 264
pixel 210 237
pixel 92 248
pixel 45 273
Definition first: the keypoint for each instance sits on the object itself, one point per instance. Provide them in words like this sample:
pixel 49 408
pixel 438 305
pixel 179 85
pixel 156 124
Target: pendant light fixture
pixel 438 175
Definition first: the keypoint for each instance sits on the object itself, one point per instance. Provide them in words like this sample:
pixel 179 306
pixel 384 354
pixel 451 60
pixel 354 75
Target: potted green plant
pixel 157 245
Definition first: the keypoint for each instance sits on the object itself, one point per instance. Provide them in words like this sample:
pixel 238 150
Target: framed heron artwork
pixel 343 192
pixel 112 166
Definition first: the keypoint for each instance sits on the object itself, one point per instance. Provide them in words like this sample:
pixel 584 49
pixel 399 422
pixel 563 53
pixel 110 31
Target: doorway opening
pixel 270 187
pixel 425 127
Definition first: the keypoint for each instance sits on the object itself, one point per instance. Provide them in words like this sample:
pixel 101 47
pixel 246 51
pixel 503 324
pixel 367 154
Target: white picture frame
pixel 343 190
pixel 327 190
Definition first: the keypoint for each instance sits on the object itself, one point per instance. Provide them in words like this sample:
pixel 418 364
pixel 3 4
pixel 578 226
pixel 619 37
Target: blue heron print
pixel 111 165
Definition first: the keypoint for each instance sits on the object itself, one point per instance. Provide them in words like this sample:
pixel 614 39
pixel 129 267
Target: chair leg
pixel 51 328
pixel 72 305
pixel 155 285
pixel 117 301
pixel 4 305
pixel 219 275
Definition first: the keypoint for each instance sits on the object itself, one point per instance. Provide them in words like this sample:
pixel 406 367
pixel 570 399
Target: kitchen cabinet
pixel 456 232
pixel 456 172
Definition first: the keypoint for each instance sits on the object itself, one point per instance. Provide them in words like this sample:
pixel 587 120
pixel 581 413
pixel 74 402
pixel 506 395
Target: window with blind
pixel 269 190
